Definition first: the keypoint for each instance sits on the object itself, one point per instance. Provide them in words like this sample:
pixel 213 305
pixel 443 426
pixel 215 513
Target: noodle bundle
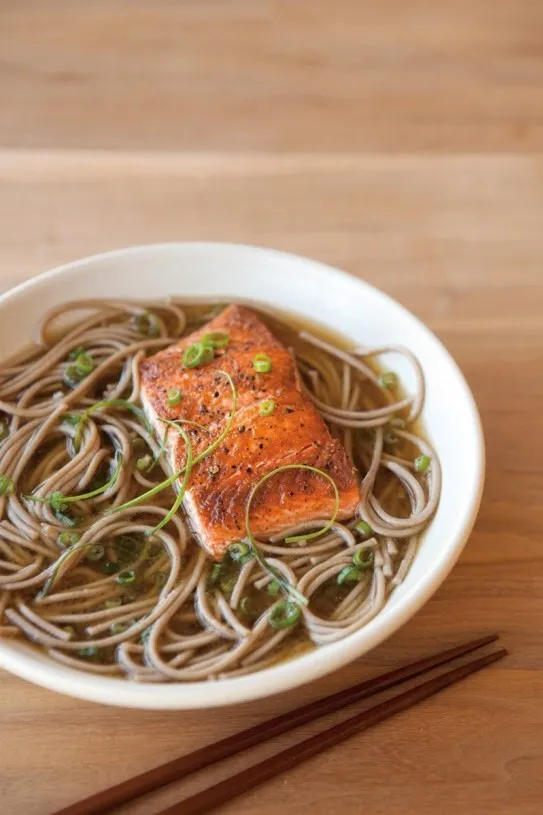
pixel 115 585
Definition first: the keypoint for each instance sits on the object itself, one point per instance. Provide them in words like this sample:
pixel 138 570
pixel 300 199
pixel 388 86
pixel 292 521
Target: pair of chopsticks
pixel 102 802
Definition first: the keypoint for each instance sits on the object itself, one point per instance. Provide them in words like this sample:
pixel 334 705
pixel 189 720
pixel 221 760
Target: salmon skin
pixel 294 433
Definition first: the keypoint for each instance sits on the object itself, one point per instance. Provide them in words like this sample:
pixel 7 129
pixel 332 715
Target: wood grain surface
pixel 399 141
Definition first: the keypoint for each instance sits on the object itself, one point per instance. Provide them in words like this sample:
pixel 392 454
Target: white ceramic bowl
pixel 334 299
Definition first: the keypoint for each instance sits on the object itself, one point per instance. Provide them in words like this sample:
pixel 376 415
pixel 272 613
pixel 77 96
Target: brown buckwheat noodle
pixel 98 592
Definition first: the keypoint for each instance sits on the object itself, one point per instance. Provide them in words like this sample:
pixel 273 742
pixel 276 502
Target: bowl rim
pixel 28 663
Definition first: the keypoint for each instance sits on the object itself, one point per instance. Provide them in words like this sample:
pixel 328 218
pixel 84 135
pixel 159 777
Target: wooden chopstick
pixel 255 774
pixel 178 768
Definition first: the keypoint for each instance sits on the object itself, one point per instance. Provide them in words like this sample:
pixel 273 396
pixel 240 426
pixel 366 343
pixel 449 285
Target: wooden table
pixel 396 140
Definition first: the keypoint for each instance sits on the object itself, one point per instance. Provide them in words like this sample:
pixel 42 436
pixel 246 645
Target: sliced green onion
pixel 6 484
pixel 146 324
pixel 115 602
pixel 284 614
pixel 58 504
pixel 247 607
pixel 96 552
pixel 68 538
pixel 214 575
pixel 273 588
pixel 421 464
pixel 349 574
pixel 388 379
pixel 74 353
pixel 209 354
pixel 69 629
pixel 227 583
pixel 262 363
pixel 363 558
pixel 71 418
pixel 365 529
pixel 267 406
pixel 63 517
pixel 4 430
pixel 240 552
pixel 56 500
pixel 174 396
pixel 216 339
pixel 84 363
pixel 127 576
pixel 72 376
pixel 194 354
pixel 145 463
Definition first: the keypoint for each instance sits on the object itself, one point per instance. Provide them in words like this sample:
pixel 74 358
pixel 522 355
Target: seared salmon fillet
pixel 294 433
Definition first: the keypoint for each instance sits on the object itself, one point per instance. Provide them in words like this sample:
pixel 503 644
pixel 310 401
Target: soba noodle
pixel 107 592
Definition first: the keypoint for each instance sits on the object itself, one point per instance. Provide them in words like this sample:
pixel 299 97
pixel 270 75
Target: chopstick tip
pixel 490 638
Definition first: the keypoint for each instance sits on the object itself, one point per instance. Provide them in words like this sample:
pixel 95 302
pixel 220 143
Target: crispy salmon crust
pixel 294 433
